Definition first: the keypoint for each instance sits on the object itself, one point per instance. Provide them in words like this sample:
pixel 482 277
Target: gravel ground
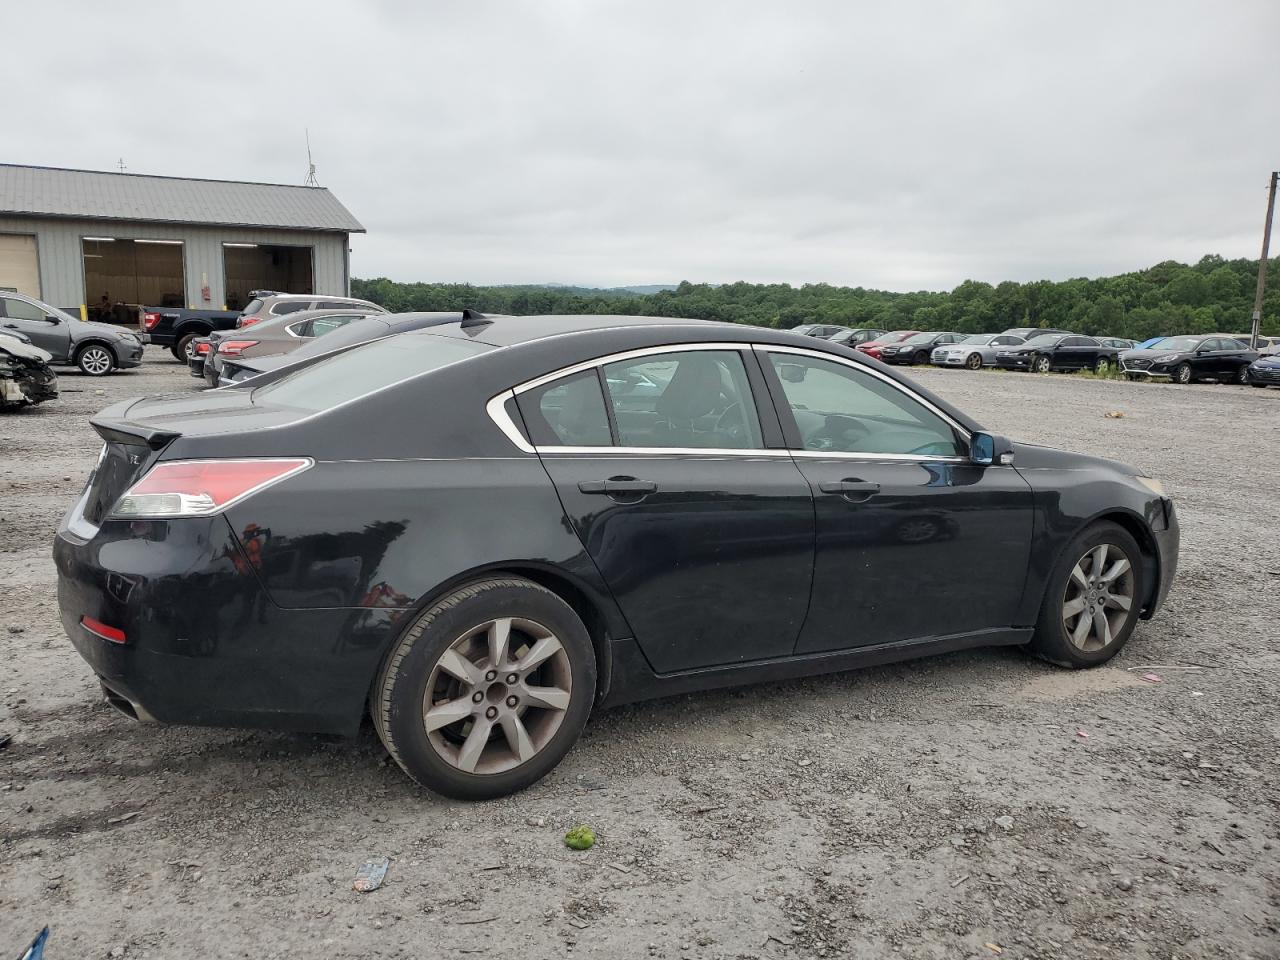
pixel 973 805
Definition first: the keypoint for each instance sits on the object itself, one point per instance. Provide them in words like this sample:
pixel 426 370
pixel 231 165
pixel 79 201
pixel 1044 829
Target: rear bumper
pixel 203 643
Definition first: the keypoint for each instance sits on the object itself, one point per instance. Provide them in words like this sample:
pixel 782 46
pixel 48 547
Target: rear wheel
pixel 1102 366
pixel 973 361
pixel 183 351
pixel 1242 375
pixel 487 691
pixel 95 360
pixel 1093 598
pixel 1182 374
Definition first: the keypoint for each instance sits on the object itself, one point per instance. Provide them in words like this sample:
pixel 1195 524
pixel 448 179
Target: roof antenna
pixel 311 180
pixel 473 318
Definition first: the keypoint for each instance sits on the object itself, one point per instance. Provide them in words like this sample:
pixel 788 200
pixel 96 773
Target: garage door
pixel 18 267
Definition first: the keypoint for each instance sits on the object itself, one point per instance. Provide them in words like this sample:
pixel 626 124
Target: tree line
pixel 1211 296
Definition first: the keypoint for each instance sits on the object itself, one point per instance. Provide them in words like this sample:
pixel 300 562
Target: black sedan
pixel 918 348
pixel 1058 351
pixel 480 531
pixel 1187 359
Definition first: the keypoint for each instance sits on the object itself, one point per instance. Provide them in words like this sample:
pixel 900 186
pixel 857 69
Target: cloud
pixel 896 146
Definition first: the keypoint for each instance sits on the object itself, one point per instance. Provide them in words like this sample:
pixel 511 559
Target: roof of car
pixel 503 331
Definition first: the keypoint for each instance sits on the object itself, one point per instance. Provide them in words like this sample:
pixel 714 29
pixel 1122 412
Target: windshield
pixel 920 338
pixel 1177 344
pixel 364 369
pixel 979 339
pixel 1044 340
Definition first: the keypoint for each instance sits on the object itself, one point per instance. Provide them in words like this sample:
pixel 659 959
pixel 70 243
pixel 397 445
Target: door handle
pixel 616 485
pixel 851 489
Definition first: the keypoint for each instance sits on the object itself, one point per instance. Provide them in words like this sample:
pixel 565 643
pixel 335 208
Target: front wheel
pixel 1040 364
pixel 1092 600
pixel 973 361
pixel 921 356
pixel 1103 366
pixel 487 691
pixel 1182 374
pixel 95 360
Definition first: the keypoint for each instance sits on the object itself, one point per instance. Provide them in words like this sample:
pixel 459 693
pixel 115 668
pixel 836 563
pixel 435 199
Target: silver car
pixel 974 352
pixel 96 348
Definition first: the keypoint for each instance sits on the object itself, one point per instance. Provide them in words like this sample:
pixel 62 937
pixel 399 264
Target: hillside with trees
pixel 1213 295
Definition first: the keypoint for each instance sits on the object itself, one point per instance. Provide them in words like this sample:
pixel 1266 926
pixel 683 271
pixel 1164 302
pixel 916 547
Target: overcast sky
pixel 899 146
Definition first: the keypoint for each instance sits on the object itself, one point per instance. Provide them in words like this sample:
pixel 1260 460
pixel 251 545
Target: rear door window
pixel 691 399
pixel 568 412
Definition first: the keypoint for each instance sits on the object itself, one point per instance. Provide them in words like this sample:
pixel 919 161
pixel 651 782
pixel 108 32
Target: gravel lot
pixel 974 805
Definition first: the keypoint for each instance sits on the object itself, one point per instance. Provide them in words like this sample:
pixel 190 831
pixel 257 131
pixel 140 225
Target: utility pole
pixel 1262 264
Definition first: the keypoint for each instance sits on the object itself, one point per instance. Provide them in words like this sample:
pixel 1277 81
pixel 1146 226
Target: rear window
pixel 252 307
pixel 364 369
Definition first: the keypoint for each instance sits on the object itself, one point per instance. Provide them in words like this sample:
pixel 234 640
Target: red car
pixel 872 347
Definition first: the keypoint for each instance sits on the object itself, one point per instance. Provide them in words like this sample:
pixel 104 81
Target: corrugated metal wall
pixel 62 267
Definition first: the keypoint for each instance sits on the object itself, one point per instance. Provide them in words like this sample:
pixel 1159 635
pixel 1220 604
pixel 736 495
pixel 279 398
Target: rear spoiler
pixel 122 431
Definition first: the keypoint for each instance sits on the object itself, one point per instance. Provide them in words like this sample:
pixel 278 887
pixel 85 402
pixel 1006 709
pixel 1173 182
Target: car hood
pixel 1267 361
pixel 16 348
pixel 93 326
pixel 1150 354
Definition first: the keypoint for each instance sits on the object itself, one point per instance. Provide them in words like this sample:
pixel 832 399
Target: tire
pixel 973 361
pixel 1182 374
pixel 1261 385
pixel 95 360
pixel 1058 635
pixel 456 638
pixel 1242 375
pixel 1040 364
pixel 179 349
pixel 1102 366
pixel 920 356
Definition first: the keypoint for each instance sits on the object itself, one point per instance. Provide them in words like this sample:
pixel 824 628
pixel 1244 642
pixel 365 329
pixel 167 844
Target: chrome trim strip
pixel 754 453
pixel 627 355
pixel 895 457
pixel 497 410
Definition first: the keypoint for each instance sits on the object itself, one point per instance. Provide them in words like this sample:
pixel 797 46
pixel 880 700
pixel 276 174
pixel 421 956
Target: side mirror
pixel 986 449
pixel 793 372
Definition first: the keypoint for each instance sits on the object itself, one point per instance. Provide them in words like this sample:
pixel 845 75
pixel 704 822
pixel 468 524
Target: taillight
pixel 247 322
pixel 233 348
pixel 202 348
pixel 200 488
pixel 100 629
pixel 150 319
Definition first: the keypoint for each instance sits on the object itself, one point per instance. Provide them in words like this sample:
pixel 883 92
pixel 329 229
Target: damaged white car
pixel 25 376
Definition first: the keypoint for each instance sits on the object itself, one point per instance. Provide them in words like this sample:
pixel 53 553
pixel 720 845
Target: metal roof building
pixel 97 242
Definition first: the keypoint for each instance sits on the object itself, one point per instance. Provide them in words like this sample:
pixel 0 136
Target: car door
pixel 913 539
pixel 1073 353
pixel 1206 361
pixel 46 332
pixel 684 498
pixel 1229 356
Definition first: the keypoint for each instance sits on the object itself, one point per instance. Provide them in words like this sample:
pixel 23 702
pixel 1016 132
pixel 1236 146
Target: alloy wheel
pixel 1242 375
pixel 497 695
pixel 95 361
pixel 189 349
pixel 1183 374
pixel 1102 366
pixel 1098 598
pixel 973 361
pixel 1040 365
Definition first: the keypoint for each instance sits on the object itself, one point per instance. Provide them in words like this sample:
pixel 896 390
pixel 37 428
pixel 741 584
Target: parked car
pixel 872 348
pixel 975 351
pixel 179 329
pixel 820 330
pixel 237 369
pixel 25 375
pixel 1056 351
pixel 1026 333
pixel 1266 345
pixel 1187 359
pixel 96 348
pixel 917 348
pixel 1120 343
pixel 1147 343
pixel 1264 372
pixel 278 336
pixel 851 336
pixel 481 530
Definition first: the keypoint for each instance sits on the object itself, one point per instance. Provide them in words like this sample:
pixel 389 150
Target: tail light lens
pixel 201 488
pixel 150 319
pixel 202 348
pixel 233 348
pixel 247 322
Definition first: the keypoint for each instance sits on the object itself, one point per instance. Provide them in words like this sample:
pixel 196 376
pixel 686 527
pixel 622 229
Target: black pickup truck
pixel 175 328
